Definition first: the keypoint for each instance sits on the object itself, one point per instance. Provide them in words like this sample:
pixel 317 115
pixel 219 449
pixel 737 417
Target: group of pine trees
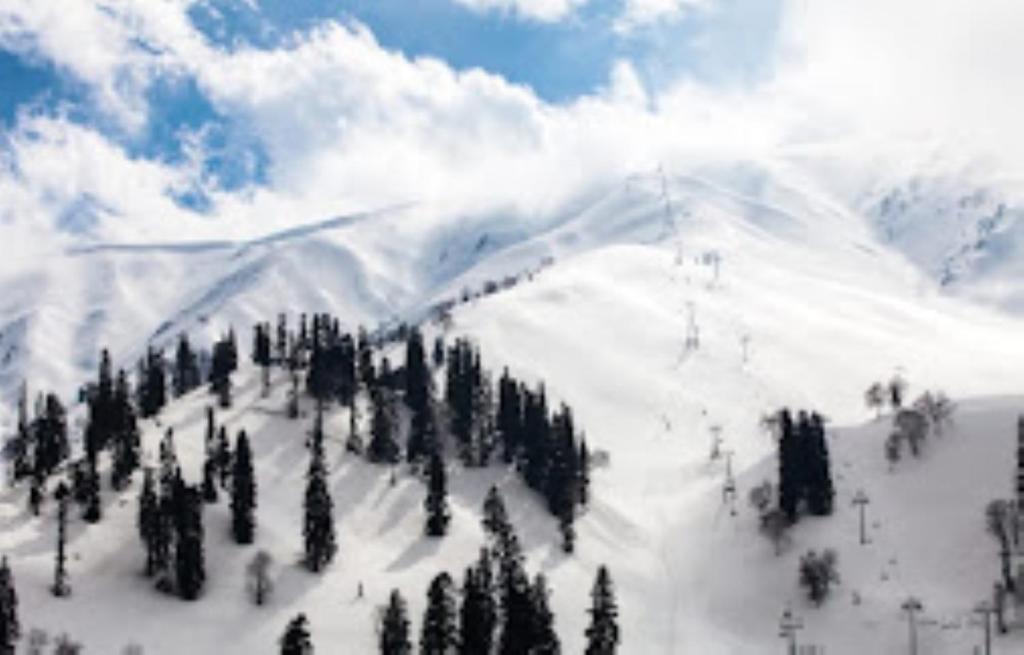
pixel 512 422
pixel 805 474
pixel 170 511
pixel 39 446
pixel 502 610
pixel 170 525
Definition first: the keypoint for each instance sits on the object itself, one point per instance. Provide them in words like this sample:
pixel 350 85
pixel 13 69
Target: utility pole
pixel 861 500
pixel 912 606
pixel 985 609
pixel 716 441
pixel 788 626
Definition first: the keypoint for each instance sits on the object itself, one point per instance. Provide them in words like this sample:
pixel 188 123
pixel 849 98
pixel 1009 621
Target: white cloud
pixel 539 10
pixel 348 124
pixel 935 69
pixel 637 13
pixel 116 47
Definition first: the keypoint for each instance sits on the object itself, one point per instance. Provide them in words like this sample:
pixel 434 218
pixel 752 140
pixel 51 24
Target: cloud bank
pixel 347 124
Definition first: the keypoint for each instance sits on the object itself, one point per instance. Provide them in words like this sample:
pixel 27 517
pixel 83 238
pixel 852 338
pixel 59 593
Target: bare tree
pixel 259 579
pixel 818 573
pixel 874 398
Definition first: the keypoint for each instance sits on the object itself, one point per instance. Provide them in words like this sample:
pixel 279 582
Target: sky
pixel 158 119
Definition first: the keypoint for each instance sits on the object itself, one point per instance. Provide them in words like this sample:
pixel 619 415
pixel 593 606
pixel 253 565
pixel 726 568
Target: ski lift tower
pixel 692 331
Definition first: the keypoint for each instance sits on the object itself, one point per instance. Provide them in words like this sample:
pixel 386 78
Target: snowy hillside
pixel 789 297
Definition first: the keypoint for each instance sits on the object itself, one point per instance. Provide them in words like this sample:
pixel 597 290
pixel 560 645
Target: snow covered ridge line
pixel 308 229
pixel 393 413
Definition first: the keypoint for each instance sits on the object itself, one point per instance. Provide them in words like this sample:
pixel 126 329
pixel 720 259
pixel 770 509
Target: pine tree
pixel 436 503
pixel 224 361
pixel 820 491
pixel 10 627
pixel 48 436
pixel 383 447
pixel 127 441
pixel 584 475
pixel 478 615
pixel 18 447
pixel 495 515
pixel 394 628
pixel 186 367
pixel 510 417
pixel 438 634
pixel 789 467
pixel 224 457
pixel 261 355
pixel 422 437
pixel 354 443
pixel 93 511
pixel 517 610
pixel 61 587
pixel 152 390
pixel 211 459
pixel 536 440
pixel 243 493
pixel 148 522
pixel 318 525
pixel 542 637
pixel 296 639
pixel 190 564
pixel 603 632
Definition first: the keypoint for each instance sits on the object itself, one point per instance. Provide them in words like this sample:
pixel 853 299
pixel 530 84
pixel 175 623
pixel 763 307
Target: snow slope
pixel 808 306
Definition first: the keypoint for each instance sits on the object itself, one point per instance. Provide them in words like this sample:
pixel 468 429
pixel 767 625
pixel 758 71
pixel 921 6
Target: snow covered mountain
pixel 789 293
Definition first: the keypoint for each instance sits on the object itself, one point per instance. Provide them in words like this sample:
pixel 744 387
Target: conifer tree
pixel 354 443
pixel 186 367
pixel 422 440
pixel 61 587
pixel 148 522
pixel 394 628
pixel 495 515
pixel 510 417
pixel 18 447
pixel 224 361
pixel 318 525
pixel 364 352
pixel 439 635
pixel 603 632
pixel 224 457
pixel 436 503
pixel 789 467
pixel 243 493
pixel 478 615
pixel 383 447
pixel 35 495
pixel 10 626
pixel 127 441
pixel 190 561
pixel 542 637
pixel 261 352
pixel 584 475
pixel 211 459
pixel 296 639
pixel 820 492
pixel 48 436
pixel 152 390
pixel 93 511
pixel 536 440
pixel 517 609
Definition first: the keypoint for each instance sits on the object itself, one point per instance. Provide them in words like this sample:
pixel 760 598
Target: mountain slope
pixel 796 302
